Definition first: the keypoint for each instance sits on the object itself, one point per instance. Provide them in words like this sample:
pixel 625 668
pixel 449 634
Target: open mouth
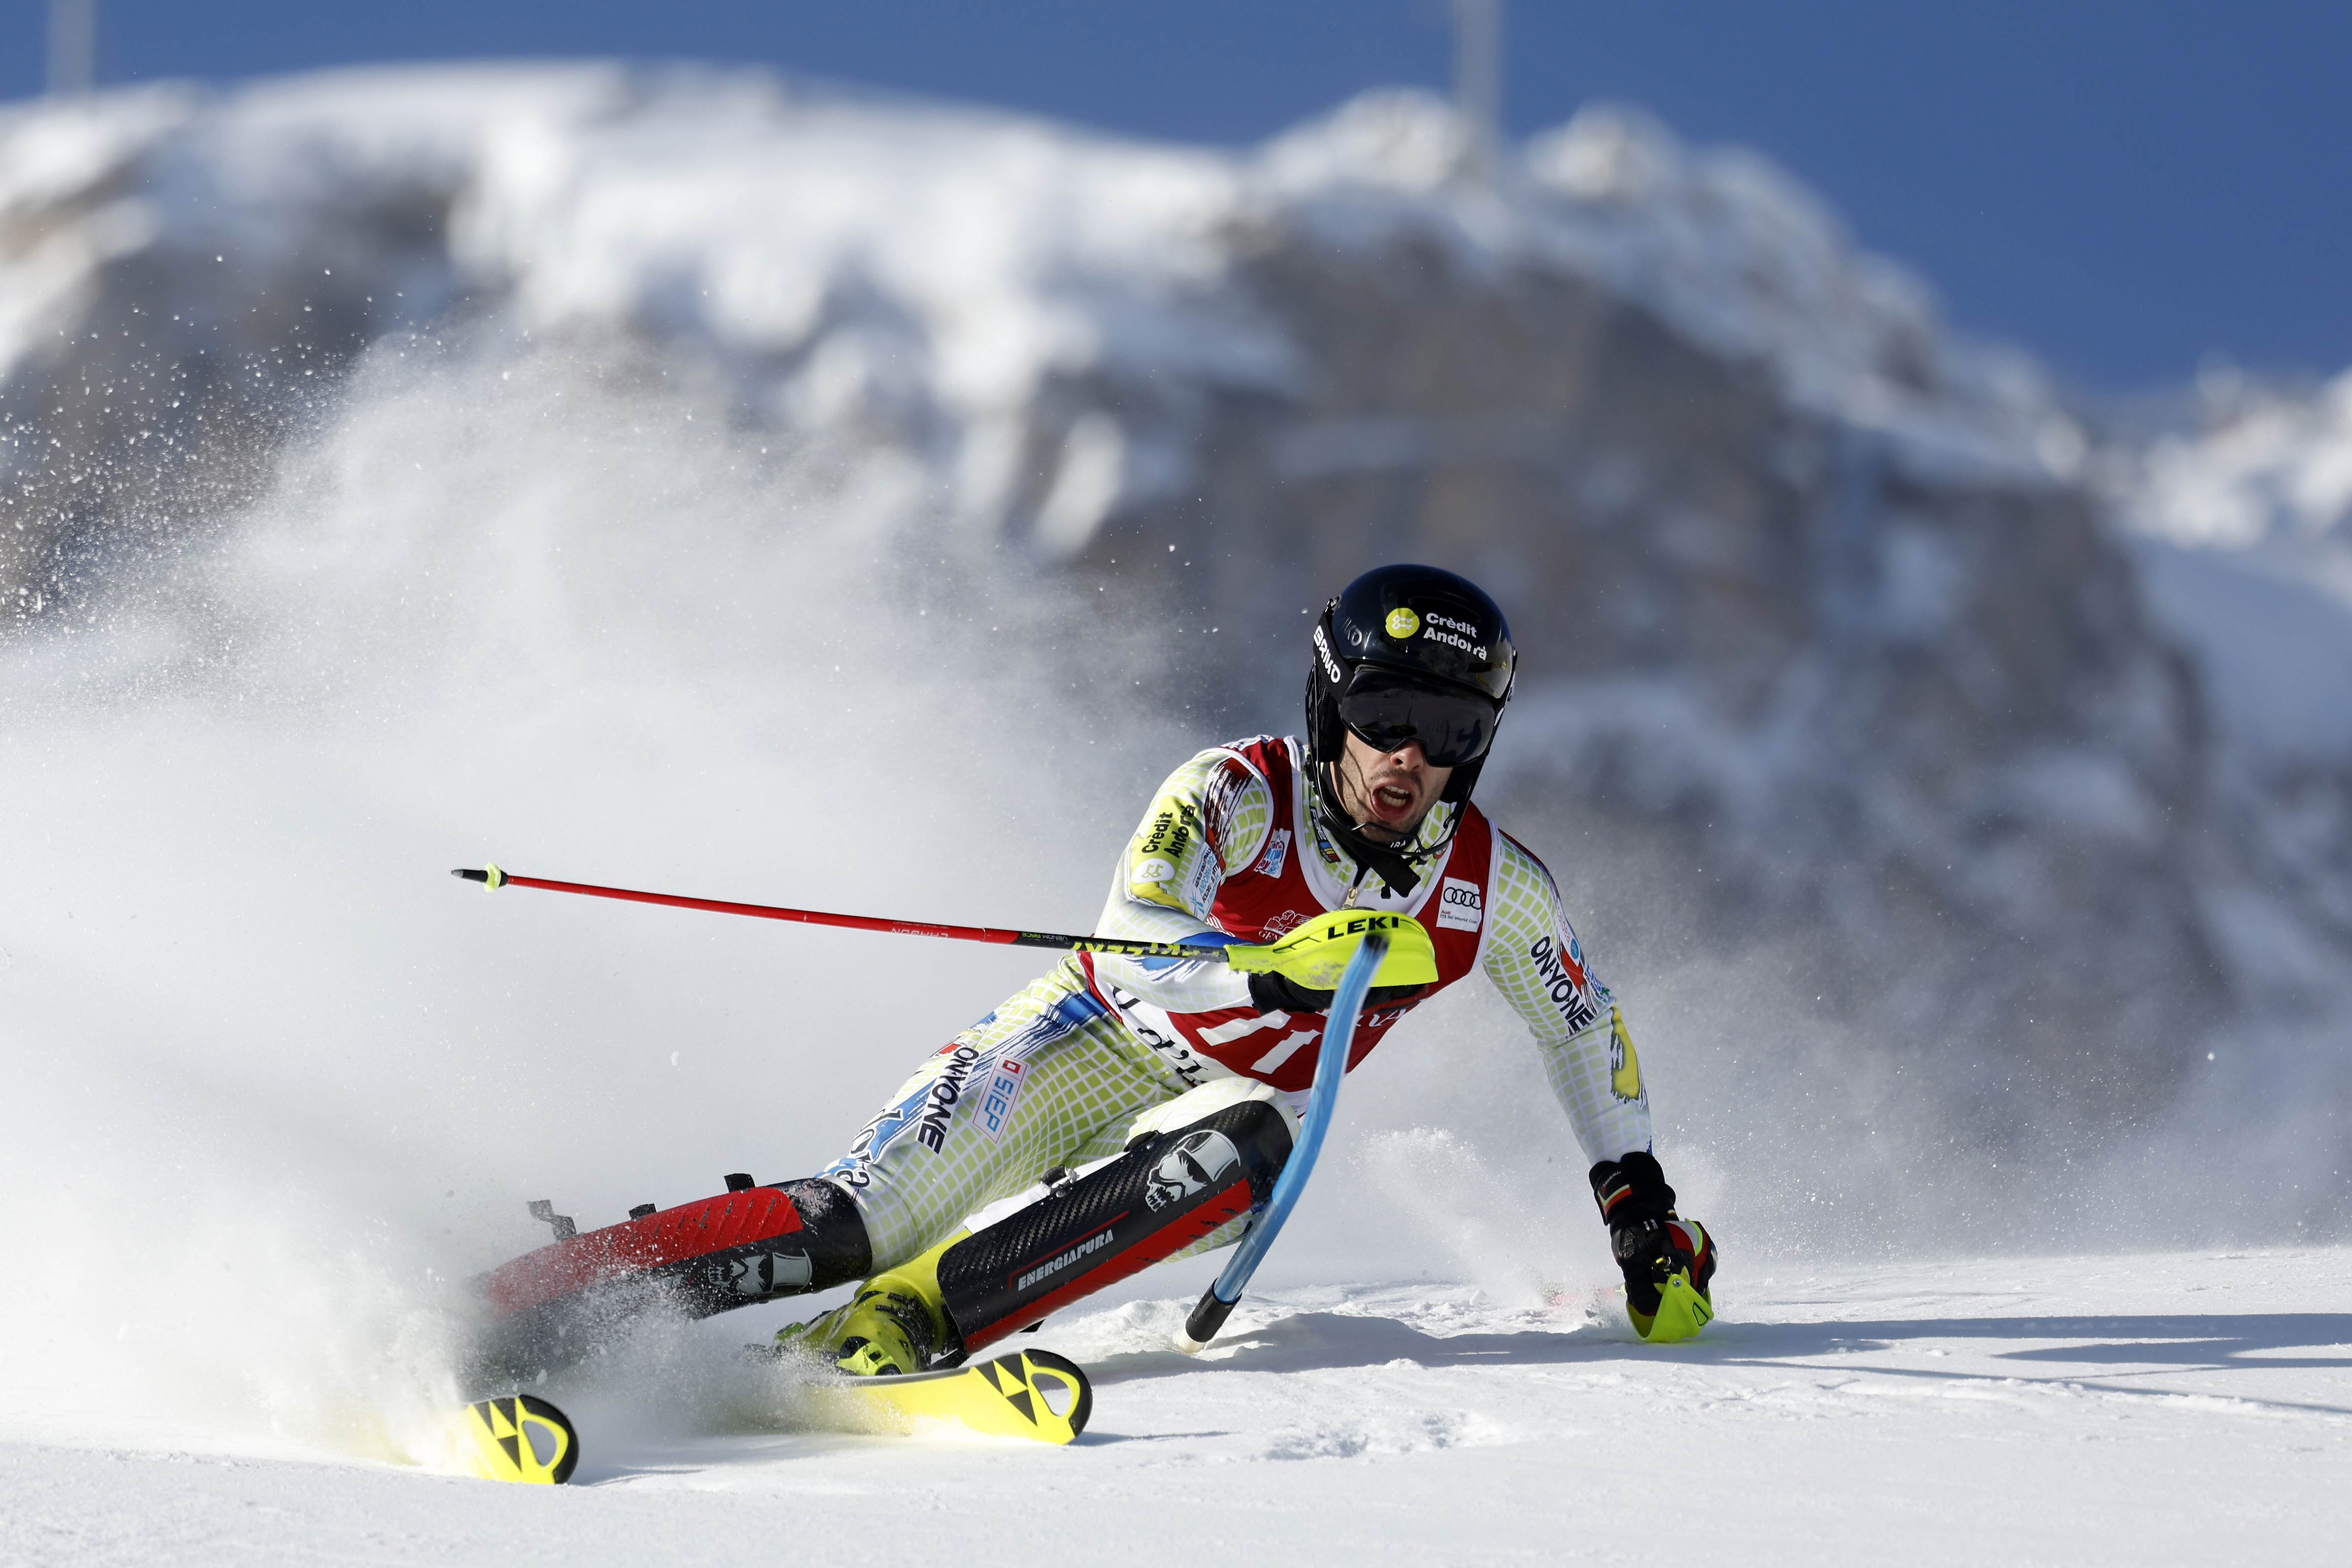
pixel 1391 800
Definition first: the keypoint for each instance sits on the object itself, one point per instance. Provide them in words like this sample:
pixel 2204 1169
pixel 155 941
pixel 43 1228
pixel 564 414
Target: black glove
pixel 1280 994
pixel 1637 1205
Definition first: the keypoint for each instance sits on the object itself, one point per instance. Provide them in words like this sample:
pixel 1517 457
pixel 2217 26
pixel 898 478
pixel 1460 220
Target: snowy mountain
pixel 2243 534
pixel 1846 718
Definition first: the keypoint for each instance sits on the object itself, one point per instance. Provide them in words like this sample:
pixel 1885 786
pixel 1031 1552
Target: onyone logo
pixel 940 1103
pixel 1564 984
pixel 1199 1160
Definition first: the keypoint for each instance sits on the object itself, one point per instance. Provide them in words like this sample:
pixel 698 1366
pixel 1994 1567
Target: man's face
pixel 1387 792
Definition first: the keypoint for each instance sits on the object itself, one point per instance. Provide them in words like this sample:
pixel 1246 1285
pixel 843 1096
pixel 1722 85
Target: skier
pixel 1189 1077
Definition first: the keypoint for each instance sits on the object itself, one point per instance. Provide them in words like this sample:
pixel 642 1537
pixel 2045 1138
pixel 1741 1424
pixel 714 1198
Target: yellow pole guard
pixel 1316 953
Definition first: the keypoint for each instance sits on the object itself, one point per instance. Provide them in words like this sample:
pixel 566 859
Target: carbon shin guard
pixel 1155 1200
pixel 554 1307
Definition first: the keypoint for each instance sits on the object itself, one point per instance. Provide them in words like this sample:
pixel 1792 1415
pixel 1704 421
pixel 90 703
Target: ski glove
pixel 1646 1235
pixel 1281 994
pixel 1299 971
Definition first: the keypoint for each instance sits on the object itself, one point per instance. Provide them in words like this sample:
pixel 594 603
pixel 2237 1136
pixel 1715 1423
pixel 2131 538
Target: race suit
pixel 1230 850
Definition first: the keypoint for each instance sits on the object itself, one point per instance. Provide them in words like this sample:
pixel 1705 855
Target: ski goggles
pixel 1388 709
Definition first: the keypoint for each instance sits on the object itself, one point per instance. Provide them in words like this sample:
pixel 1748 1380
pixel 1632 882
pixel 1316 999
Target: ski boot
pixel 1682 1272
pixel 895 1324
pixel 1668 1261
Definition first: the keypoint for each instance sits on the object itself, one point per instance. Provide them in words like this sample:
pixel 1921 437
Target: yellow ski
pixel 520 1437
pixel 1035 1394
pixel 1029 1393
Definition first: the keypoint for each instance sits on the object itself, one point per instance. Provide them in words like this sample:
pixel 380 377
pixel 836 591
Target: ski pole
pixel 1330 1066
pixel 492 877
pixel 1294 952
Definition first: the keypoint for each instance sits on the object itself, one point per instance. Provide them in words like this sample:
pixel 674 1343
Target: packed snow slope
pixel 2127 1410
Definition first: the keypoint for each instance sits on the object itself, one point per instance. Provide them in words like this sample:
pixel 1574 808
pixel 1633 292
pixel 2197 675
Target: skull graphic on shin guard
pixel 1198 1161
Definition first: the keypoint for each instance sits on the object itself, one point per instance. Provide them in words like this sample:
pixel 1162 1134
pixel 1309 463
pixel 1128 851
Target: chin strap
pixel 1394 865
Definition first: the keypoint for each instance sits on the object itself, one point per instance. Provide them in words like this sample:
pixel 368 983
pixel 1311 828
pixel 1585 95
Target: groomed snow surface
pixel 2120 1409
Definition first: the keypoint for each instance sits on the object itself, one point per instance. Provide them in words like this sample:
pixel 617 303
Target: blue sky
pixel 2125 188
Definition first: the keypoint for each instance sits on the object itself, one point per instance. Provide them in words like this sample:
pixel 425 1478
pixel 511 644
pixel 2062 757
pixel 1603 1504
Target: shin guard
pixel 555 1306
pixel 1167 1192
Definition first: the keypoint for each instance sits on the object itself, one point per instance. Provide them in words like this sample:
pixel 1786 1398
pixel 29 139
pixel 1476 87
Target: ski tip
pixel 1057 1379
pixel 1683 1310
pixel 520 1438
pixel 1034 1394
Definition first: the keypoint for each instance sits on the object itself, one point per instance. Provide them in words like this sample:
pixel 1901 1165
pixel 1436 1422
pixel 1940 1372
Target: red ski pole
pixel 494 878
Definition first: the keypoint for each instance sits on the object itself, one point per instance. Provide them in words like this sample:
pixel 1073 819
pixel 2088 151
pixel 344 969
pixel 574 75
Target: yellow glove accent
pixel 1315 954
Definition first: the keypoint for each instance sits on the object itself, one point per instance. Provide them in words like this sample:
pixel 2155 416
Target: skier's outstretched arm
pixel 1534 959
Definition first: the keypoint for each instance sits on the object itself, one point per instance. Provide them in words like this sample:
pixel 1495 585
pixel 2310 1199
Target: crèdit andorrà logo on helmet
pixel 1403 623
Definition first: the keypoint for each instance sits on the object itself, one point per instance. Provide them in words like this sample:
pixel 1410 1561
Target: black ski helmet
pixel 1419 654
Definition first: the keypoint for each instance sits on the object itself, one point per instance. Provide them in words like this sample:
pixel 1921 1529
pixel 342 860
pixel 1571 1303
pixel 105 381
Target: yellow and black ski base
pixel 1035 1394
pixel 518 1437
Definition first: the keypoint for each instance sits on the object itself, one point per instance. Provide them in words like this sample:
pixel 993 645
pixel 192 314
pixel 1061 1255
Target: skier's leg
pixel 1190 1174
pixel 1047 1080
pixel 1048 1083
pixel 1187 1174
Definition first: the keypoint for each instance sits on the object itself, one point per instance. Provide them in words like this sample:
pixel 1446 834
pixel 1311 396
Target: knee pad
pixel 1168 1190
